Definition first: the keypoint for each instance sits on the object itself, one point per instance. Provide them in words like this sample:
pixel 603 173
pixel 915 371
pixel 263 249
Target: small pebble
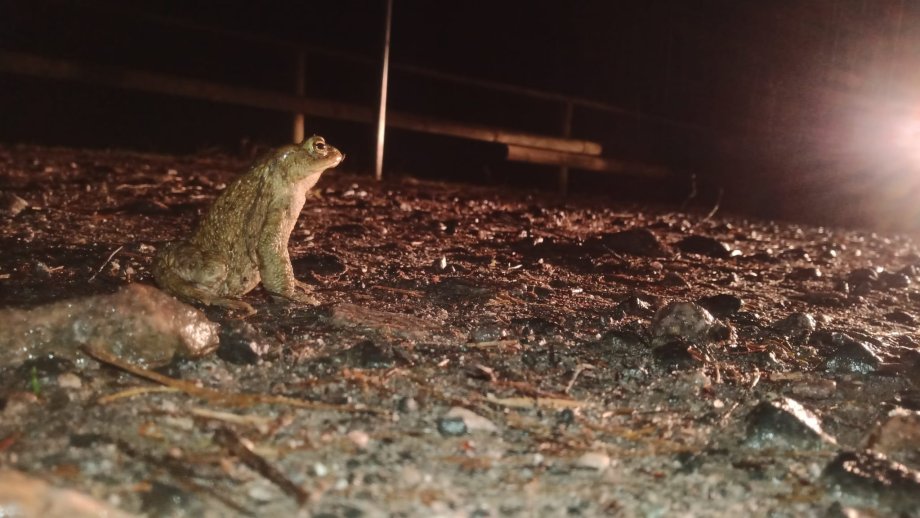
pixel 451 426
pixel 684 320
pixel 473 421
pixel 785 423
pixel 597 461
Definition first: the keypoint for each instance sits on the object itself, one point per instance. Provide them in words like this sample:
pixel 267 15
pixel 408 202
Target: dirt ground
pixel 478 353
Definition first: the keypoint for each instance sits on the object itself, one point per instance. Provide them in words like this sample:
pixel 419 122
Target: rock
pixel 407 405
pixel 721 305
pixel 897 436
pixel 24 496
pixel 473 421
pixel 902 317
pixel 597 461
pixel 684 320
pixel 894 280
pixel 635 241
pixel 823 298
pixel 814 389
pixel 785 424
pixel 796 325
pixel 676 355
pixel 351 316
pixel 863 275
pixel 874 478
pixel 11 205
pixel 621 341
pixel 452 426
pixel 369 354
pixel 138 324
pixel 704 245
pixel 165 500
pixel 675 280
pixel 241 344
pixel 632 305
pixel 851 356
pixel 323 264
pixel 489 332
pixel 808 273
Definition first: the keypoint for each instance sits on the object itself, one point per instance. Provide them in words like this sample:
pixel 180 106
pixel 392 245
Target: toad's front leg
pixel 275 264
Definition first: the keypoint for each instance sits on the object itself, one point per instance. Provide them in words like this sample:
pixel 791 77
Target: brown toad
pixel 243 239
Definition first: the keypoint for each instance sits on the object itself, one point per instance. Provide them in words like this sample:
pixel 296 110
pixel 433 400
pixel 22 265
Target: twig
pixel 232 441
pixel 107 261
pixel 131 392
pixel 581 367
pixel 716 207
pixel 215 396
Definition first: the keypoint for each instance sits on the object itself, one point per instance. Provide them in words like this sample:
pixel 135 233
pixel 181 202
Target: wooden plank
pixel 32 65
pixel 585 162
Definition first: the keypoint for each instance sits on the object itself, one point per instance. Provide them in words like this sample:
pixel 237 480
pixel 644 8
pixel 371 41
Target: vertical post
pixel 566 132
pixel 382 115
pixel 299 89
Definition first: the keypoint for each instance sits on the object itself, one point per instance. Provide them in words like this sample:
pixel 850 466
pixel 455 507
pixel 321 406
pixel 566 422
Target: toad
pixel 243 239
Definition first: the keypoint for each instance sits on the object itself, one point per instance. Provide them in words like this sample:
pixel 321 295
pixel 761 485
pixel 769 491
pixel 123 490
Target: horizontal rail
pixel 32 65
pixel 584 162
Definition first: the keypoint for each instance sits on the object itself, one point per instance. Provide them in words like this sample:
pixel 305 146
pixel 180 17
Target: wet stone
pixel 676 356
pixel 674 279
pixel 684 320
pixel 452 426
pixel 851 357
pixel 704 245
pixel 241 344
pixel 721 305
pixel 785 423
pixel 875 478
pixel 636 241
pixel 902 317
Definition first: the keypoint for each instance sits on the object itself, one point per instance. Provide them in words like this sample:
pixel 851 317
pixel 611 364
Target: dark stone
pixel 534 326
pixel 785 423
pixel 633 305
pixel 875 478
pixel 805 274
pixel 451 426
pixel 851 356
pixel 622 341
pixel 721 305
pixel 240 343
pixel 861 275
pixel 320 264
pixel 675 356
pixel 165 500
pixel 704 245
pixel 369 354
pixel 565 417
pixel 796 325
pixel 635 241
pixel 902 317
pixel 894 280
pixel 347 229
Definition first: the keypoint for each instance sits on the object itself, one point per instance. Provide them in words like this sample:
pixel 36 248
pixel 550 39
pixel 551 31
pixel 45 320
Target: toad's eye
pixel 319 145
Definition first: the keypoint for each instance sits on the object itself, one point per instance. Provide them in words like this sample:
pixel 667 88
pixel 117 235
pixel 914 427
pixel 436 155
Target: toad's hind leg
pixel 194 276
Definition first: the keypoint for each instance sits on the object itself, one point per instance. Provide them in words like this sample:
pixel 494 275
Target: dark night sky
pixel 766 97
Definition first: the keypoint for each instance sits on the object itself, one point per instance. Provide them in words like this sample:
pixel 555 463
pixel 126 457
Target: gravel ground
pixel 478 353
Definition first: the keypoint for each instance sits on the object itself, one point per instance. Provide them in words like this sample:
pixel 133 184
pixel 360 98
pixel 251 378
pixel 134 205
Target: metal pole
pixel 299 89
pixel 566 132
pixel 382 115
